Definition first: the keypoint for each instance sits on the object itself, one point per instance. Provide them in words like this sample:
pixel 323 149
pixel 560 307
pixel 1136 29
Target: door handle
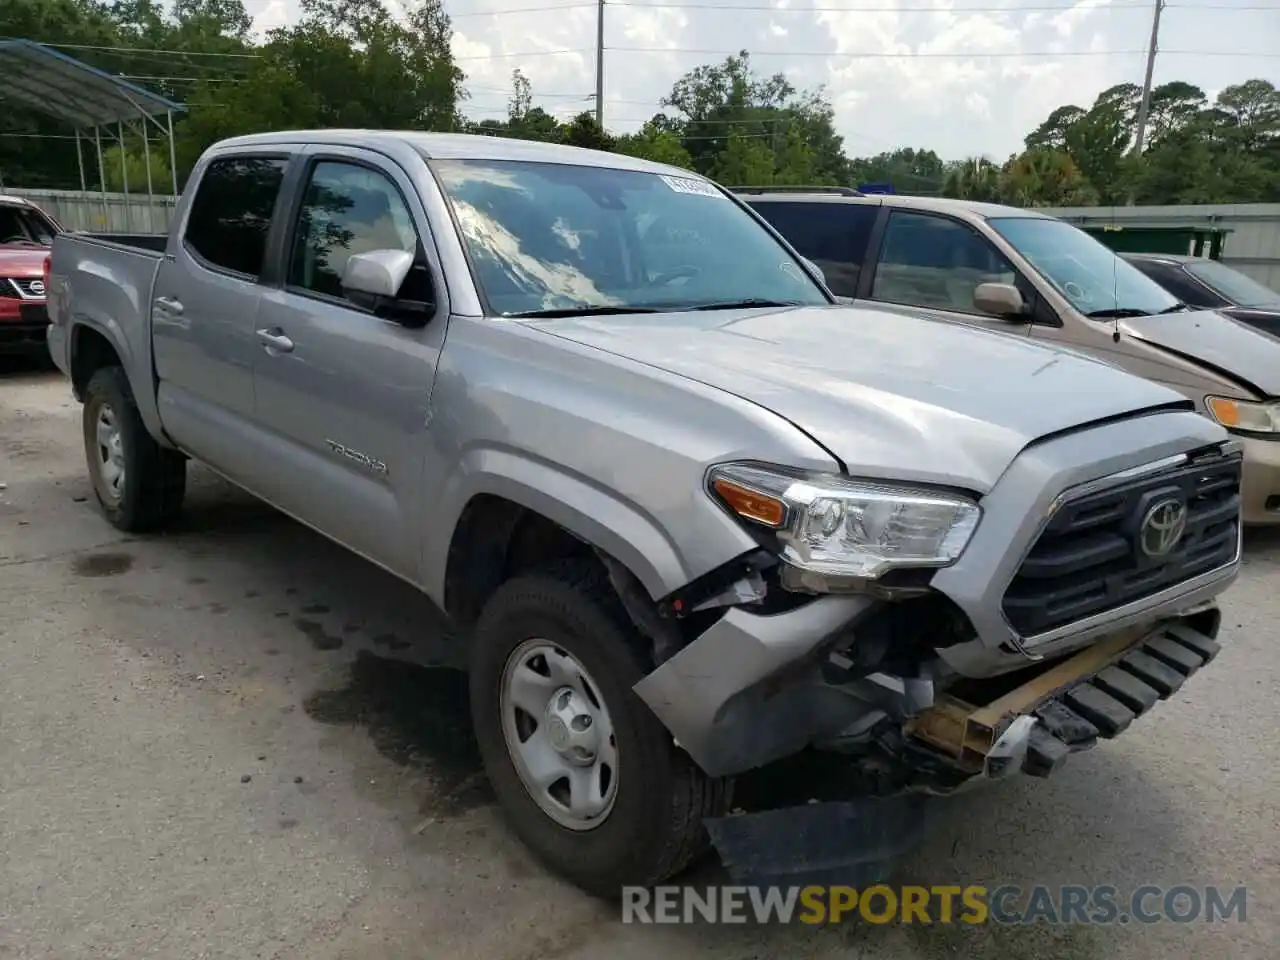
pixel 275 340
pixel 169 305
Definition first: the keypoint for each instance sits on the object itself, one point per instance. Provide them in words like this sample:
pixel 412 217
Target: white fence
pixel 109 213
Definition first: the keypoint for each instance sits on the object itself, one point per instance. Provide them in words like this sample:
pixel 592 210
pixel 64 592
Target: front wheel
pixel 586 774
pixel 139 484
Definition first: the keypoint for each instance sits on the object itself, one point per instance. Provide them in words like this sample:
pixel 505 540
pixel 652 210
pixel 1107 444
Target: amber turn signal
pixel 750 504
pixel 1226 412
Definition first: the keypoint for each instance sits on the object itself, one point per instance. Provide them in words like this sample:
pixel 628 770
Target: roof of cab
pixel 15 201
pixel 460 146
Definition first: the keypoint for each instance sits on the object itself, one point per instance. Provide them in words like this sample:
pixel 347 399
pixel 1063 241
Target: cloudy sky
pixel 964 77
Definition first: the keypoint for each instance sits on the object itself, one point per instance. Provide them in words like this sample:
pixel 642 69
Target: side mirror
pixel 1000 300
pixel 376 281
pixel 378 273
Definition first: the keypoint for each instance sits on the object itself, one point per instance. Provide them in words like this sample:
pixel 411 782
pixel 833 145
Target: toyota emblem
pixel 1162 528
pixel 37 287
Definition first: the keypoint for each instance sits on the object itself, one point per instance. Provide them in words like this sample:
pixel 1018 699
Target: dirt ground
pixel 209 747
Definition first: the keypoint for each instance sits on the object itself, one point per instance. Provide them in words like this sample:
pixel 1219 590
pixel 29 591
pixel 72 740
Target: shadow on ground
pixel 417 717
pixel 26 364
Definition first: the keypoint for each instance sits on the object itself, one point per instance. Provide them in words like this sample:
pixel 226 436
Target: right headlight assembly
pixel 837 527
pixel 1244 415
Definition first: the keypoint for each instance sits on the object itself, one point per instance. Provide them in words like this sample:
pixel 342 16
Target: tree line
pixel 350 63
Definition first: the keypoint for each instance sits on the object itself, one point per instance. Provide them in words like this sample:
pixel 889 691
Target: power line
pixel 932 54
pixel 134 76
pixel 640 4
pixel 503 13
pixel 568 96
pixel 1020 8
pixel 150 50
pixel 529 53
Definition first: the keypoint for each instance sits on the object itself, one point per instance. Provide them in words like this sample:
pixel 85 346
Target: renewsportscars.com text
pixel 968 904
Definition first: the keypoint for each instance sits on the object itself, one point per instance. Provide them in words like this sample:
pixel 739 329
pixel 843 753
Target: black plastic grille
pixel 26 287
pixel 1088 558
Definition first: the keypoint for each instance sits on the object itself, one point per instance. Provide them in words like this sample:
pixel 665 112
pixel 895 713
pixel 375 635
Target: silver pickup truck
pixel 695 516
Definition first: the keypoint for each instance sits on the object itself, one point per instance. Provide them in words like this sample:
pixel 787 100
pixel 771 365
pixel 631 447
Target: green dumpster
pixel 1197 241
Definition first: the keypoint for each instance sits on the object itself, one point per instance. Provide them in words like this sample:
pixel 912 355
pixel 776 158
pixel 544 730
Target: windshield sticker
pixel 698 188
pixel 793 271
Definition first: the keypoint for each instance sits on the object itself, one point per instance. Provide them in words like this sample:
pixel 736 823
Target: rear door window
pixel 231 213
pixel 832 235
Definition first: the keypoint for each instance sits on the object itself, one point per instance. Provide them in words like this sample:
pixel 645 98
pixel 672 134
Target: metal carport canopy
pixel 64 88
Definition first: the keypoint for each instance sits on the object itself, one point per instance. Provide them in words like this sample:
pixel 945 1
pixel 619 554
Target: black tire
pixel 655 829
pixel 155 478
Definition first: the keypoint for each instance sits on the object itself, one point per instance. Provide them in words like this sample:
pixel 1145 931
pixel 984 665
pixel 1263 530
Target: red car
pixel 26 234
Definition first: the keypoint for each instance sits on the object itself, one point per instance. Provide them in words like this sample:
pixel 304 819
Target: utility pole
pixel 600 63
pixel 1145 105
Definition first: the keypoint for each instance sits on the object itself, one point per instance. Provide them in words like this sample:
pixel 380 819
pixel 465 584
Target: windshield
pixel 1084 271
pixel 548 237
pixel 1232 284
pixel 24 227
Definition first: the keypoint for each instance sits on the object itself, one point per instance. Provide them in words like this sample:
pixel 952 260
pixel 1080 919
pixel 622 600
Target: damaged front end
pixel 884 725
pixel 907 672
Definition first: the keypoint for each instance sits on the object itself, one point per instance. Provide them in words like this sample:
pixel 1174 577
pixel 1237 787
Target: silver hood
pixel 891 396
pixel 1234 348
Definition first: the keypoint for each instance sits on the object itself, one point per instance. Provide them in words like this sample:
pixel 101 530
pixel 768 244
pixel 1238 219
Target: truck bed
pixel 142 242
pixel 112 275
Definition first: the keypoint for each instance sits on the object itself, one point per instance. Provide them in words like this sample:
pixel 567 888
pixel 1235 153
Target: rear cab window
pixel 231 213
pixel 833 235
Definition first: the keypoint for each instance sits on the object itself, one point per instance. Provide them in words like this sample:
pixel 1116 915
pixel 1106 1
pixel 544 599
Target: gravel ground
pixel 210 746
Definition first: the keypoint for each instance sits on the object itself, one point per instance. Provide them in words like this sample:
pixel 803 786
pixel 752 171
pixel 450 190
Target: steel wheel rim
pixel 109 444
pixel 559 734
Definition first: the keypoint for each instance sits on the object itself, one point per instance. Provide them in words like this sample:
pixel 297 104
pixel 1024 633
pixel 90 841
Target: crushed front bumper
pixel 1095 694
pixel 737 697
pixel 860 841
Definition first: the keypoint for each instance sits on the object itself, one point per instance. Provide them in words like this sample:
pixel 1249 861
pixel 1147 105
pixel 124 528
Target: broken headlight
pixel 840 528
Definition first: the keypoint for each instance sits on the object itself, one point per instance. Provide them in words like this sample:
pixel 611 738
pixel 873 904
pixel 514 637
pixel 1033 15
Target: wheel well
pixel 90 352
pixel 494 540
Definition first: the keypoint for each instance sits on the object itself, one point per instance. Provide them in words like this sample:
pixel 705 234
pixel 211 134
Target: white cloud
pixel 1066 23
pixel 942 74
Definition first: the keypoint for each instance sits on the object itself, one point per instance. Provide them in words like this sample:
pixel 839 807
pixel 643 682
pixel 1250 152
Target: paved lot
pixel 207 749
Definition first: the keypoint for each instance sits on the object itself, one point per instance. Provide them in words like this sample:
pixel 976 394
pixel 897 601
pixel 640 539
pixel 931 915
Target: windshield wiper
pixel 744 303
pixel 1176 308
pixel 584 311
pixel 1117 313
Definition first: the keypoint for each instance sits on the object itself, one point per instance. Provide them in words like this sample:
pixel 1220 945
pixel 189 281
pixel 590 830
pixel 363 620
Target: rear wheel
pixel 139 484
pixel 587 776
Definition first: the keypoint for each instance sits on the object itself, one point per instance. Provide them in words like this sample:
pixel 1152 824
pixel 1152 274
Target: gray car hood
pixel 1234 348
pixel 892 396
